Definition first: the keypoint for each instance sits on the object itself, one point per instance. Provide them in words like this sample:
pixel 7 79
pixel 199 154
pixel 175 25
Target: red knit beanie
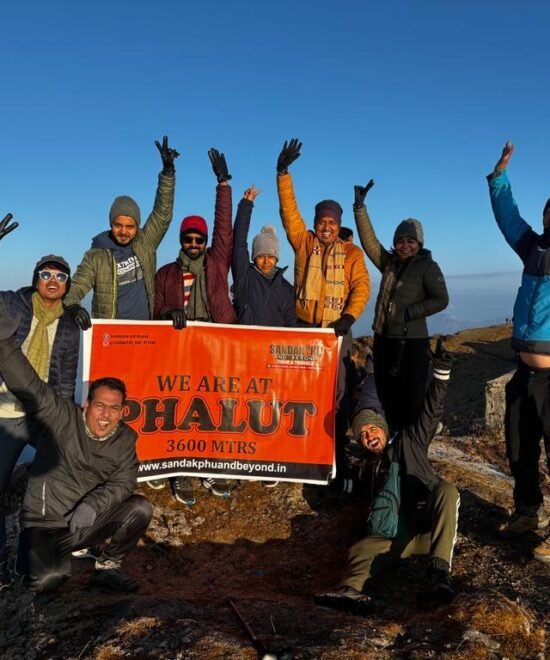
pixel 194 223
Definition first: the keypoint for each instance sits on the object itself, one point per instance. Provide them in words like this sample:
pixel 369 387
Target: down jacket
pixel 415 289
pixel 168 280
pixel 69 467
pixel 97 270
pixel 356 276
pixel 259 300
pixel 531 332
pixel 66 345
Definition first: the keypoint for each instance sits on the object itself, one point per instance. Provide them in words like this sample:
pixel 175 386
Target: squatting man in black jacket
pixel 80 490
pixel 411 510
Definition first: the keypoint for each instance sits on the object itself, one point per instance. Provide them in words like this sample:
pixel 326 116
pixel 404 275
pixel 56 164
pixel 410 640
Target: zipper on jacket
pixel 43 498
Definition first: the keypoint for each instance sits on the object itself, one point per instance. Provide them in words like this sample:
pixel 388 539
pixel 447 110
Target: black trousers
pixel 527 420
pixel 44 554
pixel 401 371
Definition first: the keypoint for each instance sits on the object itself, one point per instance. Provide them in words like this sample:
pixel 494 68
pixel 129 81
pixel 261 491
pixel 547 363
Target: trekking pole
pixel 258 644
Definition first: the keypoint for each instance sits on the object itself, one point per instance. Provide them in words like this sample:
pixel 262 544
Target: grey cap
pixel 409 228
pixel 125 205
pixel 266 242
pixel 51 260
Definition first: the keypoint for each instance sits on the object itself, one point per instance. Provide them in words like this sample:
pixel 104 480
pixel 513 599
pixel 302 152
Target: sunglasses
pixel 198 240
pixel 47 275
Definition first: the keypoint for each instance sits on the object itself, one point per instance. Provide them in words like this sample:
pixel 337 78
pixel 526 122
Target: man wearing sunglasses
pixel 120 267
pixel 195 287
pixel 50 340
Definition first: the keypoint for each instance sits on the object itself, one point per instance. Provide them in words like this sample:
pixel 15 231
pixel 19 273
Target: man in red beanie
pixel 195 287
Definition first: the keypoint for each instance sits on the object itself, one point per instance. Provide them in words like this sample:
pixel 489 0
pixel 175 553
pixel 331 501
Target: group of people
pixel 83 477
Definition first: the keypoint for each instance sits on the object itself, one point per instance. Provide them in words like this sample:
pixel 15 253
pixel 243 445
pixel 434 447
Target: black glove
pixel 442 359
pixel 289 153
pixel 82 516
pixel 168 156
pixel 342 325
pixel 80 316
pixel 178 318
pixel 219 165
pixel 361 193
pixel 5 228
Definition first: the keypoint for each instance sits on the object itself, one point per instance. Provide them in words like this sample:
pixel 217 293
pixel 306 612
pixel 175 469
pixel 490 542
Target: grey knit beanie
pixel 266 242
pixel 368 416
pixel 409 228
pixel 125 205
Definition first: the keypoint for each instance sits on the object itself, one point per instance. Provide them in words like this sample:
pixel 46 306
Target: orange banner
pixel 220 400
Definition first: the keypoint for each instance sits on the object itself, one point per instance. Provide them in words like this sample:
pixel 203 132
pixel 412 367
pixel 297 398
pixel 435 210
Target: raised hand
pixel 504 159
pixel 289 153
pixel 251 193
pixel 5 228
pixel 219 165
pixel 168 156
pixel 361 192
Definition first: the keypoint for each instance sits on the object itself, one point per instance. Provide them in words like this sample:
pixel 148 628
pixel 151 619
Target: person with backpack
pixel 411 510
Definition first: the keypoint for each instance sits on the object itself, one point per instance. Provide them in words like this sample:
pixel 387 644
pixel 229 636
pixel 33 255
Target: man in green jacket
pixel 120 267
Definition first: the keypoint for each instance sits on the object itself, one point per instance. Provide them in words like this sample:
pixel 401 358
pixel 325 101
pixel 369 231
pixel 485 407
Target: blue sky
pixel 419 95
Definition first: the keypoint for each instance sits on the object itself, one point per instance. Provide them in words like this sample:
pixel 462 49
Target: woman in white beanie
pixel 262 295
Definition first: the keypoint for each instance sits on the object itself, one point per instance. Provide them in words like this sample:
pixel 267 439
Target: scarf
pixel 333 304
pixel 197 307
pixel 38 351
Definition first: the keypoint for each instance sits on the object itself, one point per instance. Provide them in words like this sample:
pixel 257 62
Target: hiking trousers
pixel 431 531
pixel 44 554
pixel 527 420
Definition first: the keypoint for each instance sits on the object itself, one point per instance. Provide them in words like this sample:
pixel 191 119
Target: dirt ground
pixel 268 551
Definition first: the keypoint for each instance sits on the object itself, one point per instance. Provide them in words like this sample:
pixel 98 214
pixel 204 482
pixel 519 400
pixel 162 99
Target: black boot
pixel 346 599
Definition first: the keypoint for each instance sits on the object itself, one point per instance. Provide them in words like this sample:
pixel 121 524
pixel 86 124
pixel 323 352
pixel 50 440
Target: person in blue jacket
pixel 527 416
pixel 262 295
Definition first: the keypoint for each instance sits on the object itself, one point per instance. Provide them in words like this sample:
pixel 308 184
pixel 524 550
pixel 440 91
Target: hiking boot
pixel 156 484
pixel 182 490
pixel 346 599
pixel 440 586
pixel 93 552
pixel 542 551
pixel 218 487
pixel 109 575
pixel 520 523
pixel 270 484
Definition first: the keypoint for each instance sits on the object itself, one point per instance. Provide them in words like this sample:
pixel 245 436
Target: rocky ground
pixel 268 551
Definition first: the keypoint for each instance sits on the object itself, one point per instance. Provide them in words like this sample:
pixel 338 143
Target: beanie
pixel 266 242
pixel 330 208
pixel 409 228
pixel 368 416
pixel 345 233
pixel 194 223
pixel 125 205
pixel 54 262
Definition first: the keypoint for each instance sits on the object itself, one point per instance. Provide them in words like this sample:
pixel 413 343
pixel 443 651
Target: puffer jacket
pixel 69 467
pixel 168 280
pixel 531 332
pixel 97 270
pixel 356 276
pixel 415 288
pixel 258 299
pixel 65 348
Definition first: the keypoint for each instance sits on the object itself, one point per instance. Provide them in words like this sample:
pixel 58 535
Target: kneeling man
pixel 82 480
pixel 411 510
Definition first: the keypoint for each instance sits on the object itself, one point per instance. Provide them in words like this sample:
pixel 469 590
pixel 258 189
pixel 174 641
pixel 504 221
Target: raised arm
pixel 159 220
pixel 516 231
pixel 376 252
pixel 222 234
pixel 241 256
pixel 291 217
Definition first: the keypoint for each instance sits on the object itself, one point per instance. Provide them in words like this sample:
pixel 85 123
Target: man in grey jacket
pixel 80 490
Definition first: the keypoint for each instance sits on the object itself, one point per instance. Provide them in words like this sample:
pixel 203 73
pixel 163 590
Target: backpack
pixel 384 516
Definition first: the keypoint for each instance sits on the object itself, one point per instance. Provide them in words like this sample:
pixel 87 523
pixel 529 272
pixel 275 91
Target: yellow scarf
pixel 333 304
pixel 38 351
